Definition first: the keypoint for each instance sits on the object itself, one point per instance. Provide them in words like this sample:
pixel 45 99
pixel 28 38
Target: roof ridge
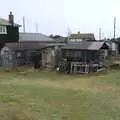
pixel 6 22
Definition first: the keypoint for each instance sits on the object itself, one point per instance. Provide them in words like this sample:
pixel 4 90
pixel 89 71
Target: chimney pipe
pixel 11 18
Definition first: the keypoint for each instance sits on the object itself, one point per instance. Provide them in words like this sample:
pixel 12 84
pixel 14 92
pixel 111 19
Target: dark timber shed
pixel 19 54
pixel 82 55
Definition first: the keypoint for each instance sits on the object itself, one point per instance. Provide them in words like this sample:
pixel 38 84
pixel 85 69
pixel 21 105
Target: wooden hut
pixel 84 57
pixel 51 55
pixel 21 54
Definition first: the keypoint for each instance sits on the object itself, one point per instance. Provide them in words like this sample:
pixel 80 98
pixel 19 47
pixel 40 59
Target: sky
pixel 63 16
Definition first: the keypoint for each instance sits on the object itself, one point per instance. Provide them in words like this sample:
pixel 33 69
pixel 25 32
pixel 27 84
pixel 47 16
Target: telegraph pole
pixel 24 24
pixel 114 28
pixel 36 28
pixel 69 33
pixel 116 46
pixel 99 33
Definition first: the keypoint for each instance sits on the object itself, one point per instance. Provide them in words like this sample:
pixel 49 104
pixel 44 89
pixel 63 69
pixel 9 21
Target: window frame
pixel 3 29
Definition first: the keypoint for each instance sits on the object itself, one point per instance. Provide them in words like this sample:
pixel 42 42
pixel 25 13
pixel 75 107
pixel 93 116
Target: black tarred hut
pixel 9 31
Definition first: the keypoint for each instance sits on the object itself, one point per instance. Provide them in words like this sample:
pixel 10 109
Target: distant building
pixel 59 39
pixel 82 36
pixel 114 47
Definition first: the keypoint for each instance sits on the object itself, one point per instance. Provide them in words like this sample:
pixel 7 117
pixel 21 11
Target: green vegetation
pixel 45 95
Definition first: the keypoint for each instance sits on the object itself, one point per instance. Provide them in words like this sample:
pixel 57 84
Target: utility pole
pixel 69 33
pixel 114 28
pixel 99 33
pixel 24 24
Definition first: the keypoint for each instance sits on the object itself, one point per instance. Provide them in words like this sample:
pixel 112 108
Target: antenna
pixel 36 27
pixel 99 33
pixel 24 24
pixel 69 33
pixel 114 28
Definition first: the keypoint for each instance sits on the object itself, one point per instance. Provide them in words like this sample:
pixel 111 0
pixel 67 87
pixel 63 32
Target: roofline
pixel 82 49
pixel 87 49
pixel 83 33
pixel 47 46
pixel 14 24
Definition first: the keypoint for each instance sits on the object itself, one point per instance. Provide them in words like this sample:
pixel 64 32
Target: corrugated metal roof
pixel 6 22
pixel 34 37
pixel 84 45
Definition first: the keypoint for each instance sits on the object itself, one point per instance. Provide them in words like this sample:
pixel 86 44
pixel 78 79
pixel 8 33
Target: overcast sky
pixel 57 16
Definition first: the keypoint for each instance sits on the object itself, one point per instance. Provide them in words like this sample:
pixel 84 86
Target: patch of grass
pixel 15 112
pixel 44 95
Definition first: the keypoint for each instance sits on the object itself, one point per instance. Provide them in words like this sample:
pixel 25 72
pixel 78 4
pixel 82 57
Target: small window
pixel 0 29
pixel 3 30
pixel 19 54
